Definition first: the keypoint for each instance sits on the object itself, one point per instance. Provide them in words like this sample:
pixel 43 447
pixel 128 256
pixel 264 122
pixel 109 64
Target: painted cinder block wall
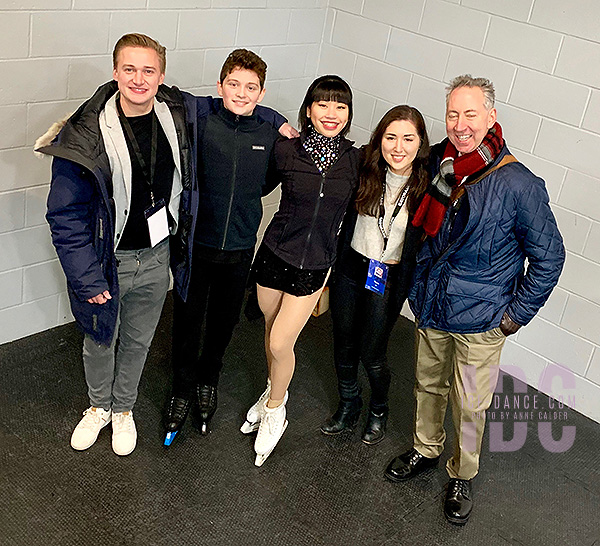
pixel 544 59
pixel 543 56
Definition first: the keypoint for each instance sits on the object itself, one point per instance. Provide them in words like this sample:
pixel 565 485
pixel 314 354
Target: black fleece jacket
pixel 233 161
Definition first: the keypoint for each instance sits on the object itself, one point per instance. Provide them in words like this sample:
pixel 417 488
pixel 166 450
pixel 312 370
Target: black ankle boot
pixel 375 428
pixel 206 396
pixel 345 418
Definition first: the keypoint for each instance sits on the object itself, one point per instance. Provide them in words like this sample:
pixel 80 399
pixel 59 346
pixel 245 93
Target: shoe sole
pixel 349 428
pixel 374 442
pixel 456 521
pixel 397 479
pixel 326 433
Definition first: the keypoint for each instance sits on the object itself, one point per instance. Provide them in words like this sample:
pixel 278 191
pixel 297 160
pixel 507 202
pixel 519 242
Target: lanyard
pixel 399 204
pixel 149 176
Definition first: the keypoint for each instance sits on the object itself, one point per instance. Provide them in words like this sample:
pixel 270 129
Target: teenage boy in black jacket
pixel 233 148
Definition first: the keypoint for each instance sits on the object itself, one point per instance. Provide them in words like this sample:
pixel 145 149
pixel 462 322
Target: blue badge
pixel 376 277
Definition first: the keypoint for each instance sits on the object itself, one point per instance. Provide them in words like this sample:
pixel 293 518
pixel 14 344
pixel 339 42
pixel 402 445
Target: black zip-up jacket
pixel 304 231
pixel 233 159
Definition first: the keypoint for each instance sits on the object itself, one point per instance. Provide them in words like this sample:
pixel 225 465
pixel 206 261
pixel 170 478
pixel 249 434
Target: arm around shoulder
pixel 271 116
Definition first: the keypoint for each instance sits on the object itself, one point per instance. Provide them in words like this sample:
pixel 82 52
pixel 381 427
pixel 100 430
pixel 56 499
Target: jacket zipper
pixel 316 212
pixel 451 220
pixel 233 177
pixel 314 219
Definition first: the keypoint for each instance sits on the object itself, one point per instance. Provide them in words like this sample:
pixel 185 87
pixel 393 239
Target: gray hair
pixel 466 80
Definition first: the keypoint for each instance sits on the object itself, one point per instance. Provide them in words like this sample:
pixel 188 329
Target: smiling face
pixel 467 119
pixel 241 91
pixel 399 146
pixel 138 76
pixel 328 117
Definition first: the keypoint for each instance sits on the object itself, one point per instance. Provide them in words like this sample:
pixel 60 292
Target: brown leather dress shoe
pixel 408 465
pixel 459 501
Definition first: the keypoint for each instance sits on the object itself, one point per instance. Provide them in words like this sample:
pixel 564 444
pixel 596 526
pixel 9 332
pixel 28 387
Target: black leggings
pixel 362 323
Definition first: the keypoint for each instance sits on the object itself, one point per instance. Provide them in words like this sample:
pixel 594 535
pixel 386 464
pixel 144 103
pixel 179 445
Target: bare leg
pixel 285 317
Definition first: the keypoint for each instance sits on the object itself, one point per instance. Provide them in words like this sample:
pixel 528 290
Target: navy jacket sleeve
pixel 538 234
pixel 72 224
pixel 206 105
pixel 269 115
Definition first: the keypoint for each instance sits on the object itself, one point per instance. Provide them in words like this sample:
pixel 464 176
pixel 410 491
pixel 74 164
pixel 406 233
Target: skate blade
pixel 170 437
pixel 262 457
pixel 249 428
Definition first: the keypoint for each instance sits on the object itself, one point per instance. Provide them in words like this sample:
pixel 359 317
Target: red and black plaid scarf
pixel 453 170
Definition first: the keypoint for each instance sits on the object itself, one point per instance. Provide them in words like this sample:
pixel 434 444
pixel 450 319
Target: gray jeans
pixel 113 379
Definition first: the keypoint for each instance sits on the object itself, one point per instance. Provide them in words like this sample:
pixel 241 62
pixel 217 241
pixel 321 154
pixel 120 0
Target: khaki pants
pixel 464 367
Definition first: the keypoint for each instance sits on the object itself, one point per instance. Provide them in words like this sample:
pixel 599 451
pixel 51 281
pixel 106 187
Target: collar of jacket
pixel 243 123
pixel 345 144
pixel 79 139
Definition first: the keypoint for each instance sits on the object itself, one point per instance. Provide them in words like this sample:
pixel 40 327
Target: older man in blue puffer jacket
pixel 486 215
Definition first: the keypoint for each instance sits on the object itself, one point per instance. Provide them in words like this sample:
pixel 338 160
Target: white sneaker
pixel 254 414
pixel 86 432
pixel 124 435
pixel 271 429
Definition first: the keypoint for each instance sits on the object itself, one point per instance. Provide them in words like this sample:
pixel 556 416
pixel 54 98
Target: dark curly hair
pixel 244 59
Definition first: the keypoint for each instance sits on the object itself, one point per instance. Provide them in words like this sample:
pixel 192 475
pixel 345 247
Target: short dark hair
pixel 140 40
pixel 244 59
pixel 374 166
pixel 327 88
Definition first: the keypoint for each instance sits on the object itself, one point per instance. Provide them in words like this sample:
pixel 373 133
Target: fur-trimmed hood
pixel 47 138
pixel 78 138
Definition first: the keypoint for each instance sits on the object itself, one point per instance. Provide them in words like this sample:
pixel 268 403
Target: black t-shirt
pixel 135 236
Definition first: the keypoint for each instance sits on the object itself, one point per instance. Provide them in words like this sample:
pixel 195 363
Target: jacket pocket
pixel 470 304
pixel 473 289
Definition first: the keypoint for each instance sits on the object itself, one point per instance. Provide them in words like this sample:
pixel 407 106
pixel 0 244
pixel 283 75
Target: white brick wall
pixel 544 58
pixel 542 55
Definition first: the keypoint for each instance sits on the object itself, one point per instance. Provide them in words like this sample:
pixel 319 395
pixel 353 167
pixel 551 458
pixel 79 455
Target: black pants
pixel 362 323
pixel 216 288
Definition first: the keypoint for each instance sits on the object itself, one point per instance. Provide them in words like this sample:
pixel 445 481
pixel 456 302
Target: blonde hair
pixel 140 40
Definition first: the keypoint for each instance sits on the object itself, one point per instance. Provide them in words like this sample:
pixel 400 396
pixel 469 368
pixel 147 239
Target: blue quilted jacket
pixel 466 284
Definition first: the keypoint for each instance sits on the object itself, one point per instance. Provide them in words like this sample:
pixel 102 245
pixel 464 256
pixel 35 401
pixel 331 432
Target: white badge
pixel 158 224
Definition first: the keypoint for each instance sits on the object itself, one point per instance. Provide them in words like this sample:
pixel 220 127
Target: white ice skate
pixel 254 414
pixel 272 426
